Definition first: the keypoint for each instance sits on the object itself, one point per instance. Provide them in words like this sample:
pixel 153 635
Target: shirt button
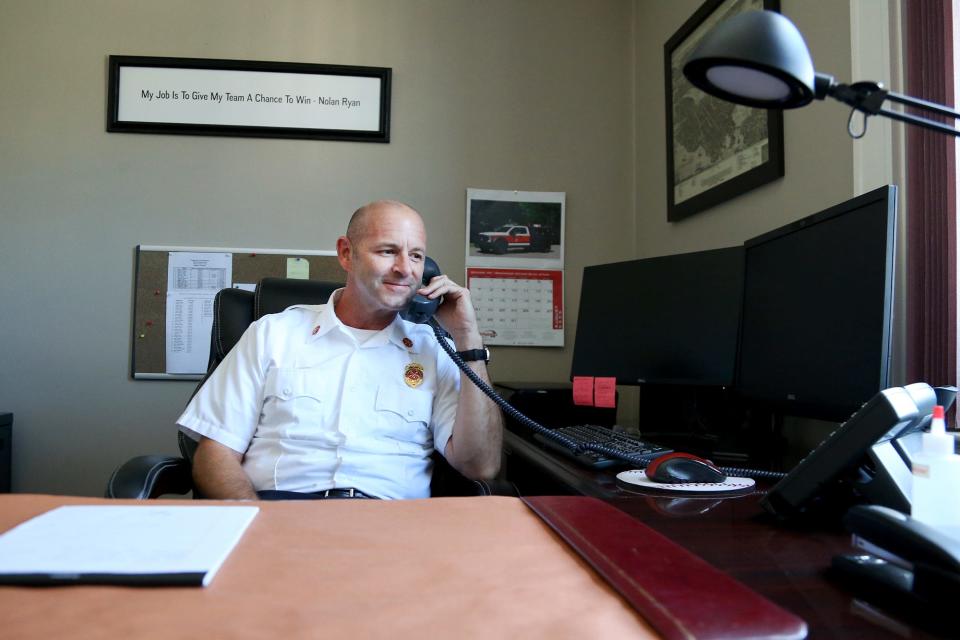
pixel 287 391
pixel 409 412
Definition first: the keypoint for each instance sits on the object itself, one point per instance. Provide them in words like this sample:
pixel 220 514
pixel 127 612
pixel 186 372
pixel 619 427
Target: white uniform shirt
pixel 312 409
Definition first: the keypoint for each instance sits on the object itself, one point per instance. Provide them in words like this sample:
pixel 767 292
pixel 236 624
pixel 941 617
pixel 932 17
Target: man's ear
pixel 344 252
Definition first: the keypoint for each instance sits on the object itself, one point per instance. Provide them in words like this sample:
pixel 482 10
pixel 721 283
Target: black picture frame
pixel 690 112
pixel 279 120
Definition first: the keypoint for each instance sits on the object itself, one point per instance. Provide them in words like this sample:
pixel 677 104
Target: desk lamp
pixel 759 59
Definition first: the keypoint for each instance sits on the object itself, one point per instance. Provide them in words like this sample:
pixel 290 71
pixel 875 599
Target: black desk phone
pixel 866 459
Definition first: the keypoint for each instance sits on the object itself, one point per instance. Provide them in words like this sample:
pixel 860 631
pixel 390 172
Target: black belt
pixel 348 492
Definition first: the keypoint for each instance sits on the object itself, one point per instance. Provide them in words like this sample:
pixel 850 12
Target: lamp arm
pixel 923 104
pixel 920 122
pixel 869 97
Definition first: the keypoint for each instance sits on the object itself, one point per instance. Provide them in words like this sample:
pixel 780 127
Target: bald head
pixel 360 222
pixel 383 254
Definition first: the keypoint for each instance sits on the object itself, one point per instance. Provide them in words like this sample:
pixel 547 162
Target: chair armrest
pixel 150 477
pixel 447 482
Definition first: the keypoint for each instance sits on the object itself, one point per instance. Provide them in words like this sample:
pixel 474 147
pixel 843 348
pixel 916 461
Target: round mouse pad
pixel 639 478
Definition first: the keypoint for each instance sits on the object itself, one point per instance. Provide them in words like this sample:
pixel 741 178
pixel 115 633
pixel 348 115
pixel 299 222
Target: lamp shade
pixel 756 58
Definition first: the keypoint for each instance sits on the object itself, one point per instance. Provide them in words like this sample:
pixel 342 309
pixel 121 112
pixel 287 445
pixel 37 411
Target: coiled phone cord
pixel 510 410
pixel 576 447
pixel 752 473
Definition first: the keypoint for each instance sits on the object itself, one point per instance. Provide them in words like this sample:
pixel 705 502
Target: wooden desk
pixel 787 565
pixel 439 568
pixel 444 567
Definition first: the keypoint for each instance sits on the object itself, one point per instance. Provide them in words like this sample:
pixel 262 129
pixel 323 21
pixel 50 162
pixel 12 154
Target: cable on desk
pixel 752 473
pixel 536 427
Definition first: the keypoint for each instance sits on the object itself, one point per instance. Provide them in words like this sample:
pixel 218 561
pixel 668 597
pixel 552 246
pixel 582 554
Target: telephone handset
pixel 422 308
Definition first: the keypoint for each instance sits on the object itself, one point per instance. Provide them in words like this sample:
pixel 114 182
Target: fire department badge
pixel 413 375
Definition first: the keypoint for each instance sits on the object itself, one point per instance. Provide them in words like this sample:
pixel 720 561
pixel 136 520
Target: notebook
pixel 142 545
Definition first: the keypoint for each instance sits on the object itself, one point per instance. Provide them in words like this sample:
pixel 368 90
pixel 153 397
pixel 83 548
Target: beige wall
pixel 553 95
pixel 494 94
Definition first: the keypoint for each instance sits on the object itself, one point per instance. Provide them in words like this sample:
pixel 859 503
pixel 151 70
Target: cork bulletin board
pixel 148 355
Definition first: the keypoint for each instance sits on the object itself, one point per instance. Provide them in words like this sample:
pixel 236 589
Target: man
pixel 347 397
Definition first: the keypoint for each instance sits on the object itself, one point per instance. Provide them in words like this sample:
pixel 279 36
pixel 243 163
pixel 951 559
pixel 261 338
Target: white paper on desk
pixel 125 541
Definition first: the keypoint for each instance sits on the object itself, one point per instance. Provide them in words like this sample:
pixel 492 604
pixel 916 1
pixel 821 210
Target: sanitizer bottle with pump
pixel 936 479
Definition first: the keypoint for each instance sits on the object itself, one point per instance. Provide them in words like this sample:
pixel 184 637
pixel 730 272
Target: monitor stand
pixel 709 421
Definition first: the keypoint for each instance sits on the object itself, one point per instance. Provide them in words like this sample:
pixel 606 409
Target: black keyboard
pixel 630 445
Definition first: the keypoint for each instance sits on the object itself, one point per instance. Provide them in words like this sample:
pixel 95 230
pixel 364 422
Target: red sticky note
pixel 605 392
pixel 583 390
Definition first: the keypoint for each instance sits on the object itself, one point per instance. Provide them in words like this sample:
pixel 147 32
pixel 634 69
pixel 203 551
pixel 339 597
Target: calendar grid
pixel 520 307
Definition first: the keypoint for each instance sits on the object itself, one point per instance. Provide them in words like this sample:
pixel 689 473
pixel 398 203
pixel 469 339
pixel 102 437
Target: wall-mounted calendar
pixel 514 257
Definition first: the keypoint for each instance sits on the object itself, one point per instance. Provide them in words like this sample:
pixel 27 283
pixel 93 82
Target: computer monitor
pixel 666 320
pixel 817 308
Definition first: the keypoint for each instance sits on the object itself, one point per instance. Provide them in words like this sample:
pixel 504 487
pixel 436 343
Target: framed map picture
pixel 716 150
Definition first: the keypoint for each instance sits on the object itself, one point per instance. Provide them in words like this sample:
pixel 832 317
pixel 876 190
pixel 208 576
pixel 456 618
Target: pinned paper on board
pixel 298 268
pixel 175 287
pixel 193 280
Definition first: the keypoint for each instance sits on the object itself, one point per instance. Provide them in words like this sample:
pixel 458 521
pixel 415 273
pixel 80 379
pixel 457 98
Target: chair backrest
pixel 273 295
pixel 235 309
pixel 232 314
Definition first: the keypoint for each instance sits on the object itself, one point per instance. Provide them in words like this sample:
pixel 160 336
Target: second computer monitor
pixel 817 308
pixel 669 320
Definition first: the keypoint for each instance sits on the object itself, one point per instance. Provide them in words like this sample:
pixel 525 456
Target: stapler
pixel 903 561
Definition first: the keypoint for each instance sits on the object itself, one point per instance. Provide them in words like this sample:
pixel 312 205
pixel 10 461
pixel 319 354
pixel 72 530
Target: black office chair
pixel 152 476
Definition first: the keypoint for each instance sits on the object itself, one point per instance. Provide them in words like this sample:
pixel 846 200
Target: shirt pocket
pixel 298 404
pixel 403 414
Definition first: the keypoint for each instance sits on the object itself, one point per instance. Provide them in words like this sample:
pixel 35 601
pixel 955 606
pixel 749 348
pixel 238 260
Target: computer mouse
pixel 674 468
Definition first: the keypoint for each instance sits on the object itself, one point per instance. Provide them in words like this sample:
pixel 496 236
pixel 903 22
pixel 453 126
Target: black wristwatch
pixel 472 355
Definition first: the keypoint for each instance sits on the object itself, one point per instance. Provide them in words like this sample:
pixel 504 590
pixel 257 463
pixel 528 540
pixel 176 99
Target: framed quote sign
pixel 201 96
